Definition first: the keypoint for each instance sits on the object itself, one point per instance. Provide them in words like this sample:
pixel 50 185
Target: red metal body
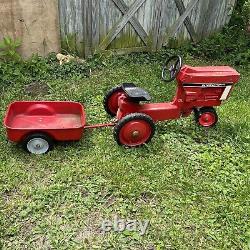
pixel 62 121
pixel 197 87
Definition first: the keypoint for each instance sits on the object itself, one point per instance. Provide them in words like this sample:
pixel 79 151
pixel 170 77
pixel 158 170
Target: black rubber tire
pixel 38 135
pixel 108 96
pixel 199 112
pixel 196 114
pixel 131 117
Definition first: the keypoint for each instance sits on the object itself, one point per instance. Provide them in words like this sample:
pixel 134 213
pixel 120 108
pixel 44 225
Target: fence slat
pixel 182 18
pixel 134 22
pixel 181 8
pixel 120 25
pixel 128 25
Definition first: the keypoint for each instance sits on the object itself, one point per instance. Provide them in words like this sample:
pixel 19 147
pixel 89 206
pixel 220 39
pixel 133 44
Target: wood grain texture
pixel 94 25
pixel 120 25
pixel 134 22
pixel 35 22
pixel 179 22
pixel 190 28
pixel 86 26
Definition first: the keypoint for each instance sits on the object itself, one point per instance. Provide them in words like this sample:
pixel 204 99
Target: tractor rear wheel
pixel 206 117
pixel 110 101
pixel 134 130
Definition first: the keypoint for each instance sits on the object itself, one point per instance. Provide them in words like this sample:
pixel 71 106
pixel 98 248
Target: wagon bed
pixel 61 120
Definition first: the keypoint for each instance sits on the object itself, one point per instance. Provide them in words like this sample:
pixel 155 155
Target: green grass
pixel 192 184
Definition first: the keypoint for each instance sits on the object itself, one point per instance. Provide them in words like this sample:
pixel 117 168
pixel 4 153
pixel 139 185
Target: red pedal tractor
pixel 199 90
pixel 38 124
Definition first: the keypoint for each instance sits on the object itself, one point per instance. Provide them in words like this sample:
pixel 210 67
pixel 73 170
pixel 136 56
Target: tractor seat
pixel 135 93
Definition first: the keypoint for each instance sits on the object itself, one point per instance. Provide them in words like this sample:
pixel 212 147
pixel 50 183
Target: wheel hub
pixel 207 119
pixel 38 146
pixel 135 134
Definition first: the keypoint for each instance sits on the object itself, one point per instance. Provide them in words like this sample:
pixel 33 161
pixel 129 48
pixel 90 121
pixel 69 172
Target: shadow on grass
pixel 220 133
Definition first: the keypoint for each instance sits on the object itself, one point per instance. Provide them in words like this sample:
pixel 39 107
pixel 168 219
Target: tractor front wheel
pixel 134 130
pixel 206 117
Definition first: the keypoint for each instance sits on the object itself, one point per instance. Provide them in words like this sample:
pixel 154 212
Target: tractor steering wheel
pixel 172 67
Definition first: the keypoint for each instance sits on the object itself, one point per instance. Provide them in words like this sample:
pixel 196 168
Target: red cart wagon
pixel 37 124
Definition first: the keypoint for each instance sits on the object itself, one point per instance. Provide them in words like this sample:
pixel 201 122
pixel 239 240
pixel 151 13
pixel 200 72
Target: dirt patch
pixel 36 89
pixel 92 228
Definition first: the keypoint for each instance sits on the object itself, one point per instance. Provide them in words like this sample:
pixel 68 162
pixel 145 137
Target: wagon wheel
pixel 38 143
pixel 110 101
pixel 206 117
pixel 134 130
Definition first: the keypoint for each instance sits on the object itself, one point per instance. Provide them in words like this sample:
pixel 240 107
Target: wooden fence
pixel 35 22
pixel 89 26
